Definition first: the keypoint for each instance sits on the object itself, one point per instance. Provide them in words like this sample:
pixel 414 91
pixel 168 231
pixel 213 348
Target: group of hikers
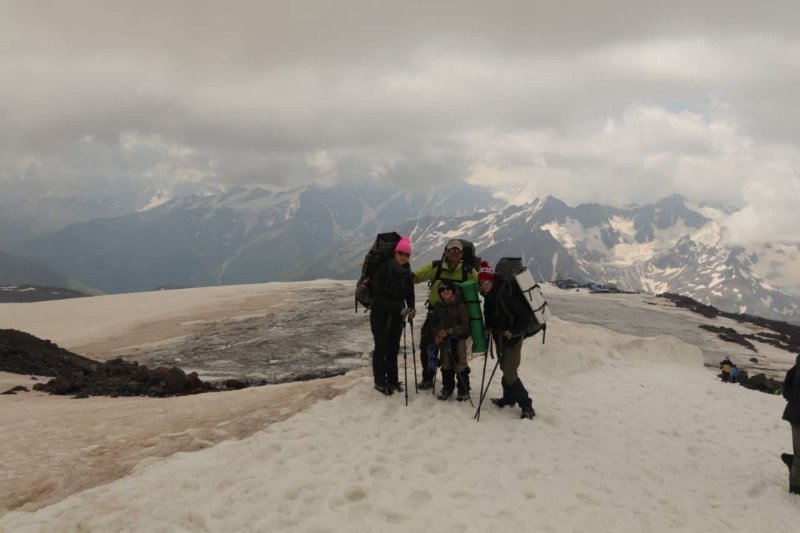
pixel 446 329
pixel 443 339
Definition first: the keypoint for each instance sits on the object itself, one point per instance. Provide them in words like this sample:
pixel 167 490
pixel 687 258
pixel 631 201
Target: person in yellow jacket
pixel 451 268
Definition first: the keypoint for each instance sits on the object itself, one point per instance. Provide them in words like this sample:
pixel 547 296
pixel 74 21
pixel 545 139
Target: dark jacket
pixel 791 392
pixel 504 311
pixel 392 287
pixel 451 316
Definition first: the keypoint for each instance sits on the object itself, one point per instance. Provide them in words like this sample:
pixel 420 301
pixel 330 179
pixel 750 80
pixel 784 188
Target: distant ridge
pixel 19 270
pixel 36 293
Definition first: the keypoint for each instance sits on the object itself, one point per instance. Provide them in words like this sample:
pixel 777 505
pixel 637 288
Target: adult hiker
pixel 452 268
pixel 451 329
pixel 791 392
pixel 505 319
pixel 392 305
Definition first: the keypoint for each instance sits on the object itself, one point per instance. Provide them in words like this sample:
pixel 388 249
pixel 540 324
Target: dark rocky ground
pixel 781 334
pixel 35 293
pixel 316 336
pixel 319 337
pixel 22 353
pixel 776 333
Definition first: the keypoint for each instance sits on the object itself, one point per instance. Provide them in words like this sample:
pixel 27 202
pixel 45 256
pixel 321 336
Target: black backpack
pixel 382 249
pixel 508 269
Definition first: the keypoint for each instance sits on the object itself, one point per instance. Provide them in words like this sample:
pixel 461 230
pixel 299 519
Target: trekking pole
pixel 414 357
pixel 483 376
pixel 434 367
pixel 483 393
pixel 488 353
pixel 405 358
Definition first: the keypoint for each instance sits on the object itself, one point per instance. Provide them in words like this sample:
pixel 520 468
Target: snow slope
pixel 631 434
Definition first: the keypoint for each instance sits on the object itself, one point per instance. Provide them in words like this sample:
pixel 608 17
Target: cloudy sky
pixel 585 100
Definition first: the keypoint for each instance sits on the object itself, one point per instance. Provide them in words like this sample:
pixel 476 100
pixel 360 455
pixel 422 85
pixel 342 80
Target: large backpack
pixel 382 250
pixel 522 285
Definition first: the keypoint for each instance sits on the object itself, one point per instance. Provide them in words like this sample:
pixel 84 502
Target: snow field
pixel 631 434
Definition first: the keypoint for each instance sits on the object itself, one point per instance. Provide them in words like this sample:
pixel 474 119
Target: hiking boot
pixel 787 459
pixel 397 386
pixel 425 384
pixel 794 489
pixel 502 402
pixel 528 413
pixel 384 388
pixel 463 385
pixel 445 394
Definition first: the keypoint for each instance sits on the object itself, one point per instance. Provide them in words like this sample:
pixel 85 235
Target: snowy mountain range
pixel 670 246
pixel 243 235
pixel 247 235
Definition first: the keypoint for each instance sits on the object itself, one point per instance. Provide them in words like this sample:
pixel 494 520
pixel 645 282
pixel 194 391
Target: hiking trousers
pixel 387 328
pixel 426 338
pixel 509 362
pixel 513 389
pixel 453 351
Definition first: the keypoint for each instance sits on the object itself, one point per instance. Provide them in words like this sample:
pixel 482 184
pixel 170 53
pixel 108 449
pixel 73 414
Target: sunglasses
pixel 454 250
pixel 484 283
pixel 445 289
pixel 403 254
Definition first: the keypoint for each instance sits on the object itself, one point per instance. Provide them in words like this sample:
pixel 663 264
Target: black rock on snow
pixel 22 353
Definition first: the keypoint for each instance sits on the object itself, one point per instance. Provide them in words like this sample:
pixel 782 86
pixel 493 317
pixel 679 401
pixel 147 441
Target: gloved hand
pixel 408 313
pixel 440 335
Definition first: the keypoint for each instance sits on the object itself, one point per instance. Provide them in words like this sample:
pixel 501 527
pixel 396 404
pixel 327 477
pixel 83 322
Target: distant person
pixel 392 305
pixel 506 320
pixel 734 374
pixel 451 329
pixel 791 392
pixel 451 268
pixel 725 367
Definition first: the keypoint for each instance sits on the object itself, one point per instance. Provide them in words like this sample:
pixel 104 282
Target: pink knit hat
pixel 403 245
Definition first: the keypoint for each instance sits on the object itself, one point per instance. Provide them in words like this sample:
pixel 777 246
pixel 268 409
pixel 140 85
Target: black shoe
pixel 445 394
pixel 463 396
pixel 425 384
pixel 502 402
pixel 787 459
pixel 397 386
pixel 384 388
pixel 528 413
pixel 794 489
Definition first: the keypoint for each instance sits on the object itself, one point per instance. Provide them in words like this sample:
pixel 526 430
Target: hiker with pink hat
pixel 392 305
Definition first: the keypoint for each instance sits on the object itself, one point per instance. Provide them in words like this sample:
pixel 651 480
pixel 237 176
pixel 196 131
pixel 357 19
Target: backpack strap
pixel 438 265
pixel 507 290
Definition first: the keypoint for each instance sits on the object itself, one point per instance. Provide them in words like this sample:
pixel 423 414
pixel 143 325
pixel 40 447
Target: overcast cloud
pixel 587 101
